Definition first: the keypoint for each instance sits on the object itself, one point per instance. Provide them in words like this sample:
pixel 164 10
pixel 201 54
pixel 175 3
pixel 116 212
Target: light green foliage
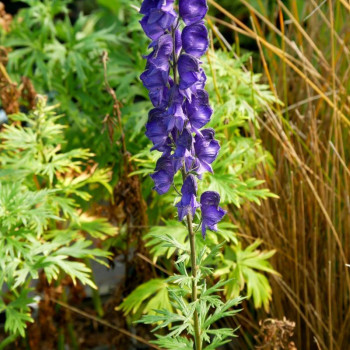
pixel 62 57
pixel 237 97
pixel 245 267
pixel 41 225
pixel 147 297
pixel 209 306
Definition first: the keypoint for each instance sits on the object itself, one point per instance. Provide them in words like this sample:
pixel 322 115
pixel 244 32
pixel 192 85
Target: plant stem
pixel 10 339
pixel 96 299
pixel 198 342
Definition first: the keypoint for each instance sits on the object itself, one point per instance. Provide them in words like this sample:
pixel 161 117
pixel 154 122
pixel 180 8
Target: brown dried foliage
pixel 13 96
pixel 305 56
pixel 5 18
pixel 276 334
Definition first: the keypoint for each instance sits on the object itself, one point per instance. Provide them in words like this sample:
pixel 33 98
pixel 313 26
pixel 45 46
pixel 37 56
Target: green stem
pixel 60 345
pixel 197 336
pixel 10 339
pixel 70 327
pixel 96 299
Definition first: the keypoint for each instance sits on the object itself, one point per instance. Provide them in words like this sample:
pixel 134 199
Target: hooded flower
pixel 211 212
pixel 189 71
pixel 206 149
pixel 154 78
pixel 149 5
pixel 177 117
pixel 188 201
pixel 156 22
pixel 195 39
pixel 192 11
pixel 156 95
pixel 163 49
pixel 183 144
pixel 198 110
pixel 156 129
pixel 163 176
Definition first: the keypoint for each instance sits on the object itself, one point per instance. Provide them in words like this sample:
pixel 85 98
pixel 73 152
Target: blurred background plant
pixel 298 147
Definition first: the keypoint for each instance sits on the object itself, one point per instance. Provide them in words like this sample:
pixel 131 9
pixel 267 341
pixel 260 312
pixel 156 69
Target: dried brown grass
pixel 305 56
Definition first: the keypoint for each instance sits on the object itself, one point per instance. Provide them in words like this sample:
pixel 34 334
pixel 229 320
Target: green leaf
pixel 147 297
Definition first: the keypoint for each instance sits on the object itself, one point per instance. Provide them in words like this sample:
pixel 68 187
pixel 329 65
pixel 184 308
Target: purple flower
pixel 192 11
pixel 163 49
pixel 182 108
pixel 157 22
pixel 198 85
pixel 149 5
pixel 188 201
pixel 156 129
pixel 198 110
pixel 178 42
pixel 163 176
pixel 183 143
pixel 177 117
pixel 206 149
pixel 189 71
pixel 211 212
pixel 156 95
pixel 195 39
pixel 154 78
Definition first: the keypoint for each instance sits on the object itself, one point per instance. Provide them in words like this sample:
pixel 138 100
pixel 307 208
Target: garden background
pixel 76 196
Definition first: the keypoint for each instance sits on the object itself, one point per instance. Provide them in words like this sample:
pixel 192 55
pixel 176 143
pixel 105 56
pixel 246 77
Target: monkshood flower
pixel 188 201
pixel 164 174
pixel 192 11
pixel 156 22
pixel 176 84
pixel 195 39
pixel 211 212
pixel 206 149
pixel 149 5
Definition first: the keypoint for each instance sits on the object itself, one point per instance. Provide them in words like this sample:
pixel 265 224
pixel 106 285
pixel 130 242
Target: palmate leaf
pixel 18 206
pixel 233 190
pixel 155 239
pixel 18 313
pixel 147 297
pixel 94 226
pixel 245 267
pixel 174 343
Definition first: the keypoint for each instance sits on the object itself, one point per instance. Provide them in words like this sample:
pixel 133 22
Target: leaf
pixel 147 297
pixel 155 239
pixel 244 267
pixel 18 313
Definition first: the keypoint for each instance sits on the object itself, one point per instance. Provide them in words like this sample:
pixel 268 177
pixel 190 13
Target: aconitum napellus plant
pixel 177 128
pixel 176 124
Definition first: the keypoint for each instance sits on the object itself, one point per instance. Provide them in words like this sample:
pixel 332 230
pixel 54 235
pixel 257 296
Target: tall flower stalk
pixel 176 127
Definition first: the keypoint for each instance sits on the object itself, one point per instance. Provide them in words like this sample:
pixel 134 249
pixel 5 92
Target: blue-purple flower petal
pixel 188 203
pixel 149 5
pixel 189 71
pixel 206 149
pixel 157 22
pixel 163 176
pixel 195 39
pixel 198 110
pixel 156 129
pixel 192 11
pixel 211 212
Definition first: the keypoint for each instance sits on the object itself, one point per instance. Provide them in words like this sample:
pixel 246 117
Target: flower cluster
pixel 176 81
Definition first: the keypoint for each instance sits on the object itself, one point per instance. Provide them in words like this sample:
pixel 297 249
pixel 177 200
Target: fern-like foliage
pixel 42 227
pixel 209 306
